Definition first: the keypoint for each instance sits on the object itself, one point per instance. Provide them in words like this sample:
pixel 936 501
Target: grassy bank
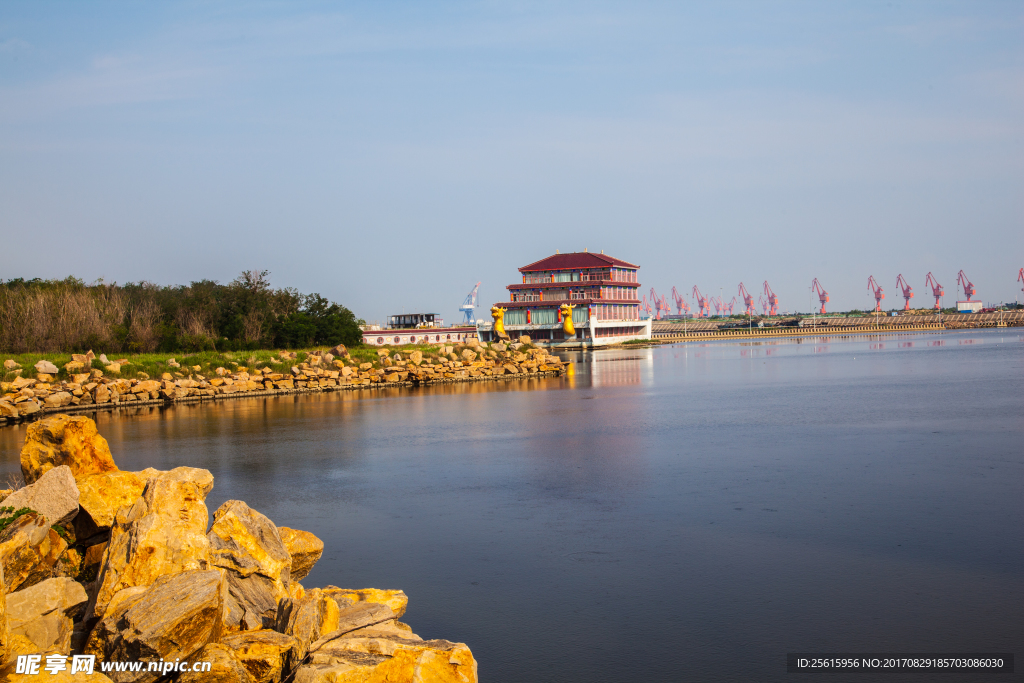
pixel 207 362
pixel 204 363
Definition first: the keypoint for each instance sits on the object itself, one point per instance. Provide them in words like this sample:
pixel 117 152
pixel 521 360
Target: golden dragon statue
pixel 566 311
pixel 499 321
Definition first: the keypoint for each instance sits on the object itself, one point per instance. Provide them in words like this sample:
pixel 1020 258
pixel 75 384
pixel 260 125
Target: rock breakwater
pixel 115 566
pixel 86 387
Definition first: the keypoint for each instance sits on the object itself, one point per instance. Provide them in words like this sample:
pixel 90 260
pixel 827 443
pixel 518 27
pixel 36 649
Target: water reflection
pixel 673 504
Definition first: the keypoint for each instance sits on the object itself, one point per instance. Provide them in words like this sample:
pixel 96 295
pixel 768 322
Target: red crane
pixel 872 285
pixel 729 306
pixel 763 303
pixel 645 307
pixel 703 304
pixel 681 305
pixel 930 281
pixel 773 301
pixel 659 304
pixel 1020 278
pixel 748 301
pixel 908 292
pixel 968 285
pixel 822 294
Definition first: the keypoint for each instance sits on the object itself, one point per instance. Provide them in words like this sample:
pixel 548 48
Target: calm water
pixel 672 514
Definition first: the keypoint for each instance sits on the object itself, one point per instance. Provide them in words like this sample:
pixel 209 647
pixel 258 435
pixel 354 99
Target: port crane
pixel 703 303
pixel 748 300
pixel 1020 278
pixel 879 295
pixel 930 281
pixel 729 306
pixel 468 306
pixel 659 304
pixel 681 305
pixel 908 292
pixel 822 294
pixel 773 301
pixel 719 305
pixel 645 307
pixel 763 303
pixel 968 285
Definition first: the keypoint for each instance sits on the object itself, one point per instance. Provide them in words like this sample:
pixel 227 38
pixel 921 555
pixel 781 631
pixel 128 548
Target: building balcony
pixel 547 284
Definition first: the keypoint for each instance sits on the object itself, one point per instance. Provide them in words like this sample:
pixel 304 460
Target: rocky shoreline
pixel 32 395
pixel 125 567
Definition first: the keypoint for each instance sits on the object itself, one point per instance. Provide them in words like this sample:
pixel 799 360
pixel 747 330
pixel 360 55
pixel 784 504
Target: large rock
pixel 266 655
pixel 170 620
pixel 163 532
pixel 248 545
pixel 54 495
pixel 29 549
pixel 5 633
pixel 255 600
pixel 200 477
pixel 106 631
pixel 100 496
pixel 354 618
pixel 224 666
pixel 388 653
pixel 8 675
pixel 46 367
pixel 303 547
pixel 307 618
pixel 64 440
pixel 44 613
pixel 397 600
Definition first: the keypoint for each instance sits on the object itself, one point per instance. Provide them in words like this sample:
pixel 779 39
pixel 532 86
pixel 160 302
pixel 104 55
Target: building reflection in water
pixel 611 367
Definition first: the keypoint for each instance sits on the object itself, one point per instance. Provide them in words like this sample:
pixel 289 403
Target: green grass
pixel 9 514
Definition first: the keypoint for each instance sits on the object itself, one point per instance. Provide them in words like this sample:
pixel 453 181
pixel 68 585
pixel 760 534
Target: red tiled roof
pixel 579 259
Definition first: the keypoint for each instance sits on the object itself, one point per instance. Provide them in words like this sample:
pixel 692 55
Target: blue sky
pixel 389 155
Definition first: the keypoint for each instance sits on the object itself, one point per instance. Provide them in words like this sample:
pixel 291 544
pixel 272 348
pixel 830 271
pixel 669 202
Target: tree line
pixel 70 315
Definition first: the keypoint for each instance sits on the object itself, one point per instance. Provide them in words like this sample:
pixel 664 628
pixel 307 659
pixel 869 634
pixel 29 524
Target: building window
pixel 516 317
pixel 544 316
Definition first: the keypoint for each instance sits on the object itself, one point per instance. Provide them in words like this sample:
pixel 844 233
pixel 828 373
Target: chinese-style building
pixel 602 289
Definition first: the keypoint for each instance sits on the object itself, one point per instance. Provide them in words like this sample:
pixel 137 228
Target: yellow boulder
pixel 101 495
pixel 64 440
pixel 307 618
pixel 395 599
pixel 163 532
pixel 224 667
pixel 266 655
pixel 388 653
pixel 29 549
pixel 8 675
pixel 305 549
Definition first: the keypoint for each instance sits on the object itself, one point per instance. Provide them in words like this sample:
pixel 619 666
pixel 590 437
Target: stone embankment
pixel 126 567
pixel 335 370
